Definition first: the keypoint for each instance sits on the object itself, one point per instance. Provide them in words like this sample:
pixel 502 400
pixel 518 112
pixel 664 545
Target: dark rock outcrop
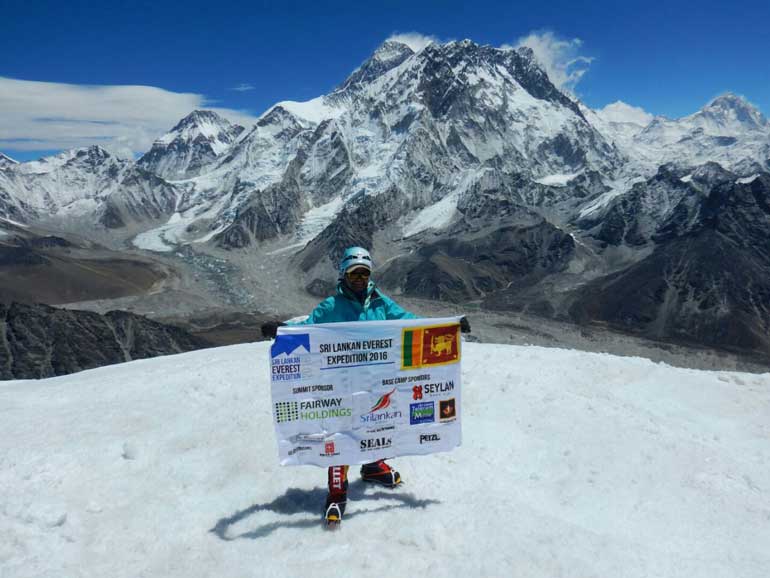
pixel 707 280
pixel 38 341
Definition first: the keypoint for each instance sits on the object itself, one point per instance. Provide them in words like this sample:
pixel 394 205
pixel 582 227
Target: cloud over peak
pixel 126 119
pixel 560 58
pixel 413 40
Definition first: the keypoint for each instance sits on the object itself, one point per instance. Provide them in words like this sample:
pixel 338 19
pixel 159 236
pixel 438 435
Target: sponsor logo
pixel 381 429
pixel 383 402
pixel 308 438
pixel 437 388
pixel 329 450
pixel 379 412
pixel 446 409
pixel 325 408
pixel 428 346
pixel 432 389
pixel 422 412
pixel 286 411
pixel 299 449
pixel 384 416
pixel 370 444
pixel 337 478
pixel 428 438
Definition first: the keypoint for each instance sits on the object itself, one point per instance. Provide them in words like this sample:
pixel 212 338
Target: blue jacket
pixel 345 306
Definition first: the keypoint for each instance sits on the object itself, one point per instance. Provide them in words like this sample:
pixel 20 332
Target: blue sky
pixel 668 58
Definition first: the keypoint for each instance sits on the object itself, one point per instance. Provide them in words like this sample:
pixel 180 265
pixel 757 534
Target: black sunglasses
pixel 362 274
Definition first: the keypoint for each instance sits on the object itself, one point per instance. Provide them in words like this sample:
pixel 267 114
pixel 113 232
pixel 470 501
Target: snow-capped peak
pixel 732 110
pixel 91 156
pixel 205 123
pixel 191 146
pixel 389 55
pixel 6 161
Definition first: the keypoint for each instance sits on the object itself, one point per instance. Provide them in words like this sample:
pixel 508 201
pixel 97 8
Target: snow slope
pixel 573 464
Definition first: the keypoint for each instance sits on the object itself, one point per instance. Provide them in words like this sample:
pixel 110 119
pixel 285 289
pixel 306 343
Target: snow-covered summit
pixel 201 123
pixel 728 130
pixel 72 181
pixel 191 146
pixel 730 114
pixel 5 161
pixel 572 464
pixel 389 55
pixel 85 157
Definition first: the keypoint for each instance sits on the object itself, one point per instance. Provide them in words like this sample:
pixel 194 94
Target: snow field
pixel 572 464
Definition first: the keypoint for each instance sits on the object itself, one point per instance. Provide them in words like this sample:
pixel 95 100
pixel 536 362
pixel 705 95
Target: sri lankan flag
pixel 428 346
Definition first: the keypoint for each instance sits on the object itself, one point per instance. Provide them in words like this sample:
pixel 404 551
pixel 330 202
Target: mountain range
pixel 473 179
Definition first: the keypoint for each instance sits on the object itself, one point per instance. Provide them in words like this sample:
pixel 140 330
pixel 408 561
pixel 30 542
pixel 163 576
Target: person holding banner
pixel 357 299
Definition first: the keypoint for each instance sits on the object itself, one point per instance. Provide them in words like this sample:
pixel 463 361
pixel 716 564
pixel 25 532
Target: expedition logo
pixel 429 346
pixel 422 412
pixel 379 412
pixel 446 409
pixel 287 354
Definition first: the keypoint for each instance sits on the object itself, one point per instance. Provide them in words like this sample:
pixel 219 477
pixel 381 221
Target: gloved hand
pixel 465 325
pixel 270 328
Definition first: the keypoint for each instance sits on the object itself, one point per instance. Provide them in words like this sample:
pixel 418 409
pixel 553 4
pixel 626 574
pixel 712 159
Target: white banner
pixel 353 393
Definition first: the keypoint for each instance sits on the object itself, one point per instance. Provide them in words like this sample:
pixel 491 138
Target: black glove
pixel 270 328
pixel 465 325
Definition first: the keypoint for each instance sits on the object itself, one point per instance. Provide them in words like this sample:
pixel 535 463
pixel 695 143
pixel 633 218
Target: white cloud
pixel 414 40
pixel 46 115
pixel 559 58
pixel 243 87
pixel 619 111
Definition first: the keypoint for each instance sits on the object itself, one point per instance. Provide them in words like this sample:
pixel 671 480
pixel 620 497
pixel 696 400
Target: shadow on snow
pixel 296 501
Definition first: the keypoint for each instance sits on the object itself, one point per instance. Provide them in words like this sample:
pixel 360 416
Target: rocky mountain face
pixel 6 161
pixel 471 177
pixel 707 279
pixel 192 146
pixel 38 341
